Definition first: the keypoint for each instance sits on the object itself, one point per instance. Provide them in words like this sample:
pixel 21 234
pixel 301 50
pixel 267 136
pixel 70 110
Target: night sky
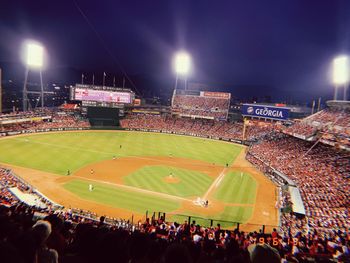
pixel 280 48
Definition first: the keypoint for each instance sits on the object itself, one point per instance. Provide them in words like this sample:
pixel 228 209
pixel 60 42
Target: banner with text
pixel 220 95
pixel 264 111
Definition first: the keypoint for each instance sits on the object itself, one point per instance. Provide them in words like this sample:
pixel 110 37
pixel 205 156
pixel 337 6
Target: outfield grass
pixel 120 198
pixel 236 188
pixel 192 183
pixel 58 152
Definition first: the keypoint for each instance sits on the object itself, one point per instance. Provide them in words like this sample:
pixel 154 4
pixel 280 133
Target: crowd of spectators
pixel 30 234
pixel 197 127
pixel 41 120
pixel 301 128
pixel 333 116
pixel 216 108
pixel 321 174
pixel 60 236
pixel 333 125
pixel 9 180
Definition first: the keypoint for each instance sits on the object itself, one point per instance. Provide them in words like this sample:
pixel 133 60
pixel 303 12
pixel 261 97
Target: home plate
pixel 266 213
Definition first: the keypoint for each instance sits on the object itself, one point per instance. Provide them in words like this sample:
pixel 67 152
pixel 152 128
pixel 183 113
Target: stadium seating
pixel 79 236
pixel 321 173
pixel 31 121
pixel 301 128
pixel 216 108
pixel 197 127
pixel 332 124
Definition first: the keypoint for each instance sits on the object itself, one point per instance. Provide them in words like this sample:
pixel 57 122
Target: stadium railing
pixel 212 222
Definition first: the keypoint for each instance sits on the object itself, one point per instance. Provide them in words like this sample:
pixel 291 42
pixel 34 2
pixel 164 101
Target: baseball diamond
pixel 150 172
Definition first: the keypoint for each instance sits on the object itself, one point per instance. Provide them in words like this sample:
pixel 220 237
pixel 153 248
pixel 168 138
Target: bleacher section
pixel 198 127
pixel 331 126
pixel 41 120
pixel 320 172
pixel 205 105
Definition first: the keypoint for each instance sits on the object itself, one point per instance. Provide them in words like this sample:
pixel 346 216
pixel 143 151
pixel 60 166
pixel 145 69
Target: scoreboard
pixel 102 96
pixel 98 96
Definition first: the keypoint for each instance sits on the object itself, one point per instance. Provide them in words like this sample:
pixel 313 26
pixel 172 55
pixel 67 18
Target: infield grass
pixel 191 183
pixel 120 198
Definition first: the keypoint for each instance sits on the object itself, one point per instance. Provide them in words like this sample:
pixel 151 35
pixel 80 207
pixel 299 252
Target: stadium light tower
pixel 340 74
pixel 182 66
pixel 34 60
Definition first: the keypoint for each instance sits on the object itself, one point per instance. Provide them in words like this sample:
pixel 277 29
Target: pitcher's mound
pixel 171 179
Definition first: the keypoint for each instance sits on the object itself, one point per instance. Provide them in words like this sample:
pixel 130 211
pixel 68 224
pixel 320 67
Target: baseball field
pixel 124 174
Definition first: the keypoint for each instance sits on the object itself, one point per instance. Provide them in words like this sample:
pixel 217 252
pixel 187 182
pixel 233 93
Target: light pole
pixel 34 60
pixel 182 66
pixel 340 74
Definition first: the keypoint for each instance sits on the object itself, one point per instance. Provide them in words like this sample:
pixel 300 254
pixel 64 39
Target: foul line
pixel 135 189
pixel 216 183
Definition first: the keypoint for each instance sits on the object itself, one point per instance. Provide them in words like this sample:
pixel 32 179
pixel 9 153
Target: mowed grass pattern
pixel 237 189
pixel 120 198
pixel 58 152
pixel 192 183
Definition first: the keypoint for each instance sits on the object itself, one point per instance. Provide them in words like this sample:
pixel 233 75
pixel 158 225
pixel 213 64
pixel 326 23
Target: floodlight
pixel 182 63
pixel 35 55
pixel 32 54
pixel 341 70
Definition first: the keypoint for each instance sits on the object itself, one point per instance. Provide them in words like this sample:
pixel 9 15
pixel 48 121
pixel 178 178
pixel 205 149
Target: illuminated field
pixel 135 172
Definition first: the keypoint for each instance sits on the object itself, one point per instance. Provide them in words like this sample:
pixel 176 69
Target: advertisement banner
pixel 41 130
pixel 137 102
pixel 222 95
pixel 265 111
pixel 39 118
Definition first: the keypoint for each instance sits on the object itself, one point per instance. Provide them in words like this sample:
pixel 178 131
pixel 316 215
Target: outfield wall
pixel 191 134
pixel 2 134
pixel 110 128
